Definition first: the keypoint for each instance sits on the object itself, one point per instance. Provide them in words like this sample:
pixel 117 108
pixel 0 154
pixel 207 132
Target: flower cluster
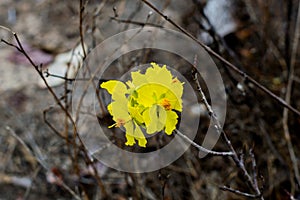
pixel 147 102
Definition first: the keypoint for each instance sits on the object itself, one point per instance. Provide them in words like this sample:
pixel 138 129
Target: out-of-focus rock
pixel 64 65
pixel 220 15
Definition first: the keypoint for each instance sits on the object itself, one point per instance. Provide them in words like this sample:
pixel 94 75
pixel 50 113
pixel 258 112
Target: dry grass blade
pixel 288 99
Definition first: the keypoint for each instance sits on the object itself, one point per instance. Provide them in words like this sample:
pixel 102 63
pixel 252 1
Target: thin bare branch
pixel 254 167
pixel 200 148
pixel 239 192
pixel 81 12
pixel 49 124
pixel 126 21
pixel 223 60
pixel 239 161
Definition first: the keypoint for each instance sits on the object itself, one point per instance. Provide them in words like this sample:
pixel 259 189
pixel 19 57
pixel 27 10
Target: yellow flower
pixel 119 109
pixel 148 101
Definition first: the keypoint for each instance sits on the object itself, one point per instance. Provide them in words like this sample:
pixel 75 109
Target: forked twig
pixel 238 160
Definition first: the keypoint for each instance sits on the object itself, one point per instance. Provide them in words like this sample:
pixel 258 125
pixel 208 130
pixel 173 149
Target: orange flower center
pixel 166 104
pixel 120 122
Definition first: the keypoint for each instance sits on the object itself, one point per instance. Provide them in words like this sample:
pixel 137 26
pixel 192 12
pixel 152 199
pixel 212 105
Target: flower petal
pixel 158 74
pixel 146 95
pixel 119 111
pixel 134 132
pixel 155 119
pixel 135 113
pixel 177 87
pixel 109 108
pixel 116 88
pixel 171 122
pixel 129 133
pixel 139 136
pixel 138 78
pixel 175 101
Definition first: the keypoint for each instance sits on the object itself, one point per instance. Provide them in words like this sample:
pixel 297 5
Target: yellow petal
pixel 146 117
pixel 158 74
pixel 134 132
pixel 176 103
pixel 161 81
pixel 116 88
pixel 171 122
pixel 177 87
pixel 119 111
pixel 109 85
pixel 130 140
pixel 135 113
pixel 129 133
pixel 139 136
pixel 109 108
pixel 172 85
pixel 155 118
pixel 138 78
pixel 146 95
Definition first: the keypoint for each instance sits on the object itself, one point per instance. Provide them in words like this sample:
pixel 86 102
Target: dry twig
pixel 202 149
pixel 252 181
